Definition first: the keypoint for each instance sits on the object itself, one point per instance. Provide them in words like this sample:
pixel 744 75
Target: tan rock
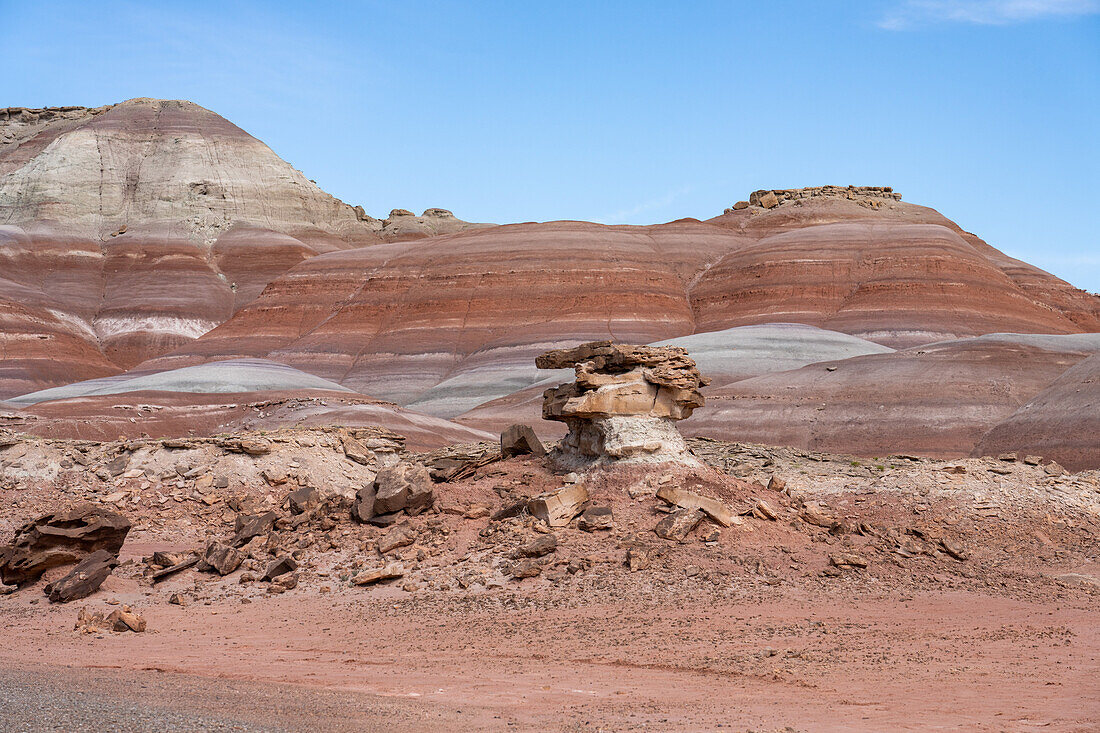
pixel 679 524
pixel 520 440
pixel 400 536
pixel 124 619
pixel 714 509
pixel 848 559
pixel 557 508
pixel 375 575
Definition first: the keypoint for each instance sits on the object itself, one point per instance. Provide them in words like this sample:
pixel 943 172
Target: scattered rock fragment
pixel 84 579
pixel 91 622
pixel 405 487
pixel 557 508
pixel 636 559
pixel 512 509
pixel 520 440
pixel 595 518
pixel 776 484
pixel 847 559
pixel 303 500
pixel 679 524
pixel 374 575
pixel 221 558
pixel 356 451
pixel 280 566
pixel 542 546
pixel 814 514
pixel 763 510
pixel 400 536
pixel 527 568
pixel 248 446
pixel 124 619
pixel 714 509
pixel 363 508
pixel 252 525
pixel 173 569
pixel 167 559
pixel 283 583
pixel 953 549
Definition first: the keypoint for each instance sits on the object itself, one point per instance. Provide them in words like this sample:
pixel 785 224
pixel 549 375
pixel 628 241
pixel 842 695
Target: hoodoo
pixel 624 402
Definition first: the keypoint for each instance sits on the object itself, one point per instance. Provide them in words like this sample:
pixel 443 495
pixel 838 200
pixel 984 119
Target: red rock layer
pixel 128 231
pixel 900 275
pixel 396 319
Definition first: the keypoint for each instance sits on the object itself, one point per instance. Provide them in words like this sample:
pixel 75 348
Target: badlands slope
pixel 129 230
pixel 155 236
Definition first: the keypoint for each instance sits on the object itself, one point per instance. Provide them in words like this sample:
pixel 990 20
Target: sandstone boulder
pixel 557 508
pixel 400 536
pixel 84 579
pixel 520 440
pixel 60 539
pixel 405 486
pixel 544 545
pixel 252 525
pixel 679 524
pixel 221 558
pixel 375 575
pixel 303 500
pixel 595 518
pixel 280 566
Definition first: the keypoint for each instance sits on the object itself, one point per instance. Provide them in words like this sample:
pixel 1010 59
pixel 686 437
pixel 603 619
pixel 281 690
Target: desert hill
pixel 143 240
pixel 129 230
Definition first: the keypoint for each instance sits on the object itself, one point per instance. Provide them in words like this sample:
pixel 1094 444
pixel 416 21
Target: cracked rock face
pixel 624 402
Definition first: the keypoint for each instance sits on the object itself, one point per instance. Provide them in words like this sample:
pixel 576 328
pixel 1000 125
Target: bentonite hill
pixel 250 432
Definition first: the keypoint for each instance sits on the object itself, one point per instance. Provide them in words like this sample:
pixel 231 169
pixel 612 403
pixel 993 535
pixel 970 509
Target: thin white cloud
pixel 915 13
pixel 626 216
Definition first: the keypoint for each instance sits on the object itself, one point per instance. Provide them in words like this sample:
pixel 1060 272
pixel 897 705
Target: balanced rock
pixel 623 403
pixel 59 539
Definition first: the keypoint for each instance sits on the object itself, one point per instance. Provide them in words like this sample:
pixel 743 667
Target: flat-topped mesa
pixel 872 196
pixel 623 403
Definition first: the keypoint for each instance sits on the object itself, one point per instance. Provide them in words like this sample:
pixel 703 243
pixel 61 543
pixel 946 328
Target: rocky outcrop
pixel 870 196
pixel 623 403
pixel 60 539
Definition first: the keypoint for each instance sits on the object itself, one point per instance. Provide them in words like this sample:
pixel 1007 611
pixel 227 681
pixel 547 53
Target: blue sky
pixel 623 112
